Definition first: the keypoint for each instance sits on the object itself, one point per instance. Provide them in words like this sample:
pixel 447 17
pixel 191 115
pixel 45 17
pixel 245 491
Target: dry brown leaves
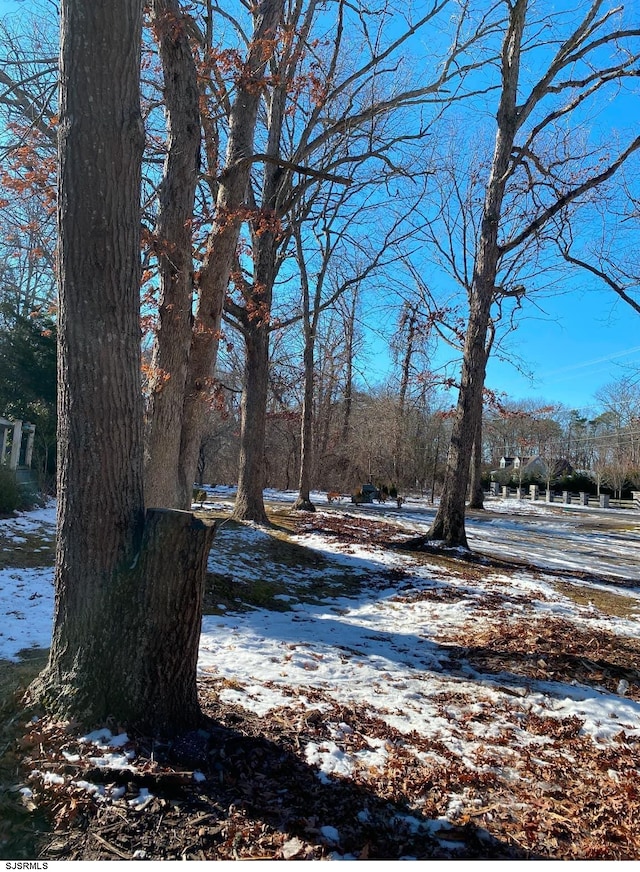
pixel 539 789
pixel 559 797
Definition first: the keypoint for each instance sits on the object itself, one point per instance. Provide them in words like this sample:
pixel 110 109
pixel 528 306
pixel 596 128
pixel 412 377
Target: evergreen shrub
pixel 10 491
pixel 15 495
pixel 577 483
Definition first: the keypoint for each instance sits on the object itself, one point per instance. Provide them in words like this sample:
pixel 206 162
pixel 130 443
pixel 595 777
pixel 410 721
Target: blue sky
pixel 589 340
pixel 584 341
pixel 12 5
pixel 578 343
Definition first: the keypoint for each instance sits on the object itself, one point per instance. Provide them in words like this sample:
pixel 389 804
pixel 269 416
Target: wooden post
pixel 16 445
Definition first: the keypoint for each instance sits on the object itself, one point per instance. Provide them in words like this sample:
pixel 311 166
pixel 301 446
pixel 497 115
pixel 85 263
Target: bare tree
pixel 341 246
pixel 28 79
pixel 345 124
pixel 28 87
pixel 535 175
pixel 172 243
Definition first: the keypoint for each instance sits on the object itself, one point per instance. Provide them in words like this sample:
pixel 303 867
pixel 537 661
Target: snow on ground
pixel 386 652
pixel 382 652
pixel 26 607
pixel 390 648
pixel 26 595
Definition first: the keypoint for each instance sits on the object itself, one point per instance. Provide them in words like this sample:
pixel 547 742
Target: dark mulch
pixel 258 799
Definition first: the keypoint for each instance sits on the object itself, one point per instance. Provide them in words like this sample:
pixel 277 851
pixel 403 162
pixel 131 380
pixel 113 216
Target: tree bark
pixel 132 655
pixel 306 441
pixel 410 318
pixel 128 590
pixel 350 335
pixel 449 523
pixel 173 245
pixel 214 276
pixel 256 323
pixel 476 493
pixel 168 586
pixel 249 504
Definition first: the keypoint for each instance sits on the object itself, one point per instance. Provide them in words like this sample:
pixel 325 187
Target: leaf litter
pixel 441 708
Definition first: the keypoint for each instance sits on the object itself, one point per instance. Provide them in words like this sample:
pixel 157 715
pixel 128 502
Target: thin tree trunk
pixel 350 328
pixel 249 504
pixel 310 316
pixel 404 386
pixel 173 243
pixel 306 448
pixel 434 474
pixel 221 248
pixel 256 325
pixel 476 493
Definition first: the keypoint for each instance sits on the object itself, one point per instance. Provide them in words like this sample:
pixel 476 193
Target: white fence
pixel 537 494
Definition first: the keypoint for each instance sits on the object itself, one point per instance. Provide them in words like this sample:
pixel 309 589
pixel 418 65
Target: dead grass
pixel 31 550
pixel 22 830
pixel 617 605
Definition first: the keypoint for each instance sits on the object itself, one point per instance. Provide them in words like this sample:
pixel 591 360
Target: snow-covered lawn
pixel 521 680
pixel 26 593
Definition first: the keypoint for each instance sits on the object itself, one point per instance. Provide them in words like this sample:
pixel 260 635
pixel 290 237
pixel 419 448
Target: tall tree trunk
pixel 476 493
pixel 221 248
pixel 449 523
pixel 256 317
pixel 173 244
pixel 310 316
pixel 121 646
pixel 256 324
pixel 324 419
pixel 249 504
pixel 350 335
pixel 405 371
pixel 306 441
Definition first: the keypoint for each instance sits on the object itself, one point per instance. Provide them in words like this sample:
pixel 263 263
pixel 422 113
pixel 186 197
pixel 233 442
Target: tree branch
pixel 570 197
pixel 285 164
pixel 618 289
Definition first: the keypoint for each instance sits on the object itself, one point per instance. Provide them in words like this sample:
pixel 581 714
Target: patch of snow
pixel 330 835
pixel 142 800
pixel 389 649
pixel 329 758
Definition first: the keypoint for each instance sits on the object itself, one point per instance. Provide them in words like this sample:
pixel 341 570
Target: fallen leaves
pixel 503 777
